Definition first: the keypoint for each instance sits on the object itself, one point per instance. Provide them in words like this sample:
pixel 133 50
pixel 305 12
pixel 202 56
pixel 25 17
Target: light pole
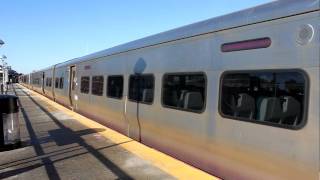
pixel 2 85
pixel 4 73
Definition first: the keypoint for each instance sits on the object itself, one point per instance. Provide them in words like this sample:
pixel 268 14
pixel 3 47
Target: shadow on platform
pixel 61 136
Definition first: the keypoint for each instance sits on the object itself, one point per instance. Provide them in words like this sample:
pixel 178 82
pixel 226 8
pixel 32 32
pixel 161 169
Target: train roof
pixel 266 12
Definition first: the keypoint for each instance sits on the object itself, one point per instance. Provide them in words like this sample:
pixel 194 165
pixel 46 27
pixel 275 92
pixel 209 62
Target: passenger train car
pixel 236 96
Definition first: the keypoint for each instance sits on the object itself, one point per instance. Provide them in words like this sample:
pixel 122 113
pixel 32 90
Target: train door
pixel 72 86
pixel 43 79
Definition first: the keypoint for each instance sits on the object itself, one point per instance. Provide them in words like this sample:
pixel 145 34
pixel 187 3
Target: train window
pixel 56 83
pixel 61 83
pixel 268 97
pixel 85 83
pixel 73 84
pixel 50 82
pixel 115 87
pixel 47 81
pixel 184 91
pixel 37 81
pixel 141 88
pixel 97 85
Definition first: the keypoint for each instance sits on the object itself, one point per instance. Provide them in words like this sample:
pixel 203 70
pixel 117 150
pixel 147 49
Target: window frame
pixel 186 73
pixel 73 78
pixel 103 79
pixel 153 87
pixel 47 84
pixel 50 82
pixel 89 89
pixel 56 83
pixel 268 124
pixel 61 83
pixel 107 86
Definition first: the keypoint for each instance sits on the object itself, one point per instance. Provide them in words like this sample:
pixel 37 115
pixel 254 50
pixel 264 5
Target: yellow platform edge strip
pixel 168 164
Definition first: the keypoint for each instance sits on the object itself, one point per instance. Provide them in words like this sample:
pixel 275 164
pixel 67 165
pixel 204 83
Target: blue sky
pixel 40 33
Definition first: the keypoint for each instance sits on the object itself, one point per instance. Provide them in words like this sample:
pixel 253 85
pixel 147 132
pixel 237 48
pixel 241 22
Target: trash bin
pixel 9 121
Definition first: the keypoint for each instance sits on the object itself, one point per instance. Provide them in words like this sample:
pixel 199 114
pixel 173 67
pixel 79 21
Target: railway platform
pixel 60 144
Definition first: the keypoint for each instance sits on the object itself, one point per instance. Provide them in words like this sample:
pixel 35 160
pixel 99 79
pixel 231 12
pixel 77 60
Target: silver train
pixel 236 96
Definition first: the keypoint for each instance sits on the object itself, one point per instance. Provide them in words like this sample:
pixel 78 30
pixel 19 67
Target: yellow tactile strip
pixel 176 168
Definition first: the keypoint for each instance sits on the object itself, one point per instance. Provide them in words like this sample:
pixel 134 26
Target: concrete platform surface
pixel 61 144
